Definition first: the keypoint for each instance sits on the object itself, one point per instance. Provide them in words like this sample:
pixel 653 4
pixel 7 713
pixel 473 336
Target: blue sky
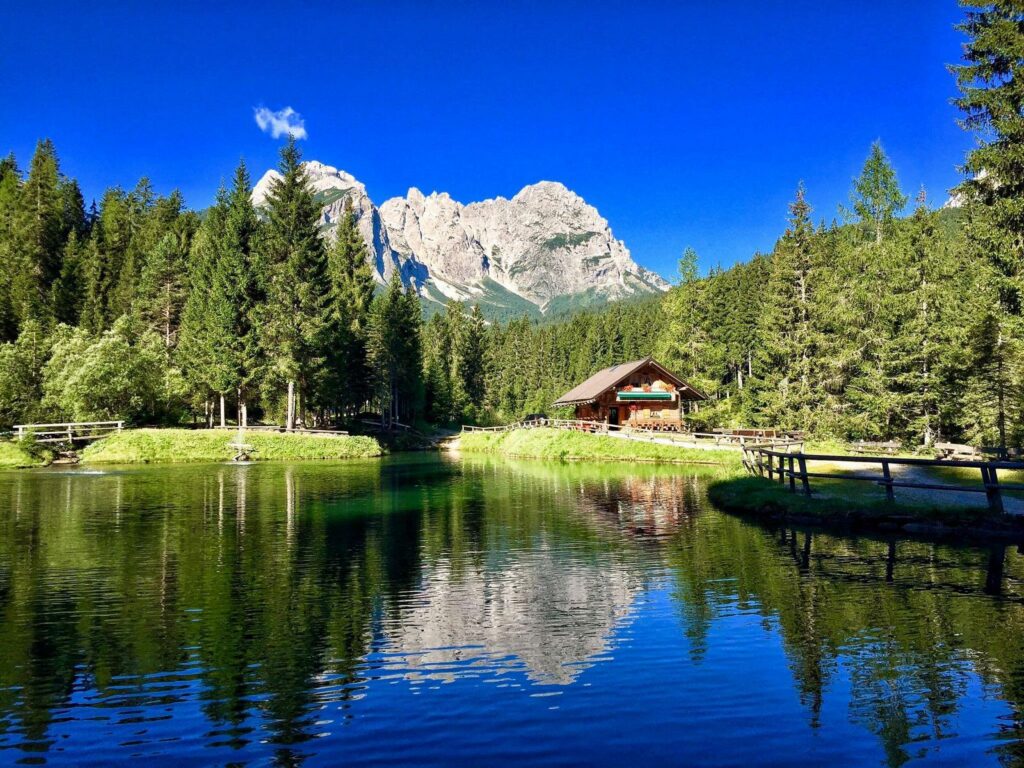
pixel 685 123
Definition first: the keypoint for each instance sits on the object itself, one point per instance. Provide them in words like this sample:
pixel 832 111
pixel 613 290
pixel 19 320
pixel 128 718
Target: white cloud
pixel 284 121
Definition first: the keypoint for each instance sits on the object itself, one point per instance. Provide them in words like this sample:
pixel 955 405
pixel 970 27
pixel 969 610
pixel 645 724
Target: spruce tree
pixel 198 352
pixel 298 316
pixel 234 293
pixel 991 83
pixel 162 287
pixel 353 284
pixel 10 189
pixel 38 238
pixel 786 332
pixel 395 352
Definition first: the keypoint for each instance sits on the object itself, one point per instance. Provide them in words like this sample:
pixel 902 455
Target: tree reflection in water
pixel 274 598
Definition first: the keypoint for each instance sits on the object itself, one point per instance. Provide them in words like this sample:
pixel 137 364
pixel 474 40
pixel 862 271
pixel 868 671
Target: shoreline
pixel 761 500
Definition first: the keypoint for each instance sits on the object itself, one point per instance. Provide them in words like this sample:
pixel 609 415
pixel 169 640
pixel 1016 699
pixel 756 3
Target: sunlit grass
pixel 564 445
pixel 15 455
pixel 150 446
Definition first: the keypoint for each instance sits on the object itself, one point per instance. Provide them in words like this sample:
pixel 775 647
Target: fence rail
pixel 278 428
pixel 791 468
pixel 717 439
pixel 68 431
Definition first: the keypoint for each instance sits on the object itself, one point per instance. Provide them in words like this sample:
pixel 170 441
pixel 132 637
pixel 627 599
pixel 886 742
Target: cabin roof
pixel 605 379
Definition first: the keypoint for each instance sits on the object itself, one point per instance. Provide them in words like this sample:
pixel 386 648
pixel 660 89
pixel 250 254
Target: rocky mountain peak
pixel 543 244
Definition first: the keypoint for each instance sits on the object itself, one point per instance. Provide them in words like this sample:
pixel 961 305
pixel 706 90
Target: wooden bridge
pixel 68 431
pixel 792 469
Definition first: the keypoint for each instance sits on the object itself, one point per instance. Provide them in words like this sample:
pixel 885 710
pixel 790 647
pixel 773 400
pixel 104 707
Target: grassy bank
pixel 151 446
pixel 15 455
pixel 563 445
pixel 855 509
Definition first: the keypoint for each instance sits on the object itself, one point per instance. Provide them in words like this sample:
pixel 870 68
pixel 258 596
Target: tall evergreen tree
pixel 234 293
pixel 786 332
pixel 353 284
pixel 991 83
pixel 395 352
pixel 162 287
pixel 197 353
pixel 10 189
pixel 298 317
pixel 39 237
pixel 876 195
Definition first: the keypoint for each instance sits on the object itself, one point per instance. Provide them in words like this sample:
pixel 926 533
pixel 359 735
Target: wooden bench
pixel 958 452
pixel 867 447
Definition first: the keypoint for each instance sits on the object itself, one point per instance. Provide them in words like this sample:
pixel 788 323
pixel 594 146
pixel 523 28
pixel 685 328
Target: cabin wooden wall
pixel 646 413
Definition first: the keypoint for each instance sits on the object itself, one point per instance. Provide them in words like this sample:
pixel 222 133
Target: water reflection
pixel 233 613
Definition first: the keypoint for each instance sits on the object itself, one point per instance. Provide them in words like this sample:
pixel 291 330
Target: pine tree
pixel 198 354
pixel 353 283
pixel 395 352
pixel 876 195
pixel 990 82
pixel 10 189
pixel 235 292
pixel 38 238
pixel 298 316
pixel 473 366
pixel 786 334
pixel 162 287
pixel 685 343
pixel 104 260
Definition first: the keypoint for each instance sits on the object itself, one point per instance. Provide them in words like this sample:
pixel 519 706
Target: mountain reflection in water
pixel 455 611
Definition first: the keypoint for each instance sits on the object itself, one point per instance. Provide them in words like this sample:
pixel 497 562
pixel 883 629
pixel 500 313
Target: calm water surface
pixel 432 611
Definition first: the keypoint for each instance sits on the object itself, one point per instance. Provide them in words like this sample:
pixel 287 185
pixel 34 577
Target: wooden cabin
pixel 642 393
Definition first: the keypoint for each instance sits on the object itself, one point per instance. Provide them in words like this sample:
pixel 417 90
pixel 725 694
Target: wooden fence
pixel 784 467
pixel 67 432
pixel 700 439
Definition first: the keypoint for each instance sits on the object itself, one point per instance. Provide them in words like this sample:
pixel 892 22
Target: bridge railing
pixel 67 431
pixel 791 468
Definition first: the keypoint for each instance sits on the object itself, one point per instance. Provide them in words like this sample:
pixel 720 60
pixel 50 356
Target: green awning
pixel 643 396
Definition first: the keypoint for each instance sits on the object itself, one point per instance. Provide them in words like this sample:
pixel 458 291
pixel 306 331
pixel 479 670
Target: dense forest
pixel 885 320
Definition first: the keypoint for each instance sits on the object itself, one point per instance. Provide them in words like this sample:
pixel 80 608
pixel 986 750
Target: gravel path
pixel 913 474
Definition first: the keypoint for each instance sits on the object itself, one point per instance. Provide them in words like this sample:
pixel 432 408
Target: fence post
pixel 782 470
pixel 792 476
pixel 889 495
pixel 993 493
pixel 803 475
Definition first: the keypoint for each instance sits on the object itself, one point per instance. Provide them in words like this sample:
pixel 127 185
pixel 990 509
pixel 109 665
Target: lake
pixel 430 610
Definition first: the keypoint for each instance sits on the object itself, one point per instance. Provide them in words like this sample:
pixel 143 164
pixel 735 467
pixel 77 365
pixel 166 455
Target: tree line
pixel 139 309
pixel 875 324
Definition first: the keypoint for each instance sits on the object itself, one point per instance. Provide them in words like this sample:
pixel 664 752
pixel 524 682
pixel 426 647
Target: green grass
pixel 151 446
pixel 563 445
pixel 15 455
